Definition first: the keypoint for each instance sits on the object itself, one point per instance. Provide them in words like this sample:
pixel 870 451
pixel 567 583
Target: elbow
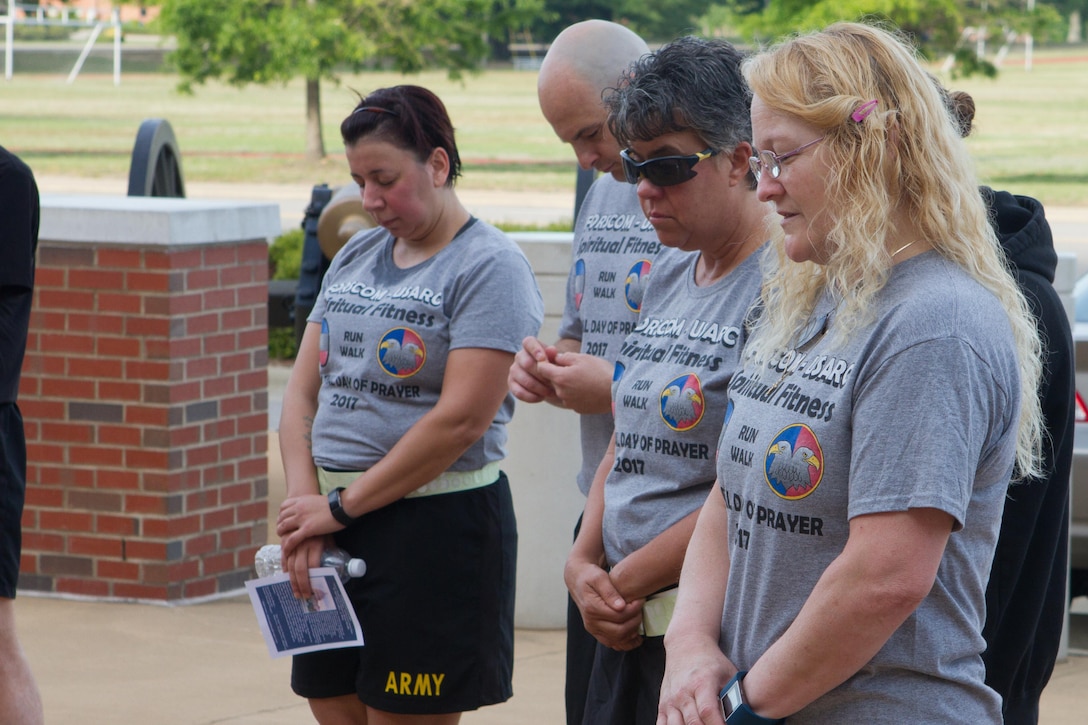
pixel 894 598
pixel 885 592
pixel 903 597
pixel 465 431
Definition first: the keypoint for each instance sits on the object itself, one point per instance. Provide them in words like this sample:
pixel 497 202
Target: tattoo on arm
pixel 308 434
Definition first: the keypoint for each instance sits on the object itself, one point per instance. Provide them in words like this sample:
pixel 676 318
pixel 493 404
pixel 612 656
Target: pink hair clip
pixel 862 112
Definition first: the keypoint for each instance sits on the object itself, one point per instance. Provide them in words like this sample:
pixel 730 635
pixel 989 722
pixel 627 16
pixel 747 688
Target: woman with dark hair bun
pixel 1026 593
pixel 394 427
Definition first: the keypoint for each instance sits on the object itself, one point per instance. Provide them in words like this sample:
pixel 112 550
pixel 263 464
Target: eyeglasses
pixel 664 170
pixel 772 163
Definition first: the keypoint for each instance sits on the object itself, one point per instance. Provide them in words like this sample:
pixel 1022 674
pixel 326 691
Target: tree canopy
pixel 266 41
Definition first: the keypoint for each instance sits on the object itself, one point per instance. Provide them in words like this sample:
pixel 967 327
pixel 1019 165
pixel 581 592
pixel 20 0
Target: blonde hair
pixel 906 155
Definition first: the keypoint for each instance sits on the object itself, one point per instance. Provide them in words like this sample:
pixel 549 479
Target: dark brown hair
pixel 409 117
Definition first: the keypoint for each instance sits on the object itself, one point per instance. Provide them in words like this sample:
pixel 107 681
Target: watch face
pixel 730 699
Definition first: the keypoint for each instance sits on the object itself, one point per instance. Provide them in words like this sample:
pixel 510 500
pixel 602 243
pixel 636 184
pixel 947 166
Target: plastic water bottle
pixel 267 562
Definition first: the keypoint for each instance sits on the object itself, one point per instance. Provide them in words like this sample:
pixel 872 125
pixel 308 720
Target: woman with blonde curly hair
pixel 888 393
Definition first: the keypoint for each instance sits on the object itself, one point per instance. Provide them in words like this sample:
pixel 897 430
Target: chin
pixel 799 250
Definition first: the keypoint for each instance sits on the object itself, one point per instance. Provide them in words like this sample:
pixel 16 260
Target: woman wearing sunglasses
pixel 837 573
pixel 682 114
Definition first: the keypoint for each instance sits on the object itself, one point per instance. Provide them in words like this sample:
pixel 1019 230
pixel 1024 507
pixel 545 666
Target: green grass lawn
pixel 1029 126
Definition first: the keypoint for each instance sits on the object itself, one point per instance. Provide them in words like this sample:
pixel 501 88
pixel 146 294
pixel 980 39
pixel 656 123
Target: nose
pixel 372 198
pixel 587 155
pixel 767 187
pixel 647 189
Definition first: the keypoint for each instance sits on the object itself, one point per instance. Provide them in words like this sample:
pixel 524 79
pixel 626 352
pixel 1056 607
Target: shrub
pixel 285 255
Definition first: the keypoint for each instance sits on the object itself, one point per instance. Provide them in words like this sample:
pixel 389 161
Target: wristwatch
pixel 735 710
pixel 337 508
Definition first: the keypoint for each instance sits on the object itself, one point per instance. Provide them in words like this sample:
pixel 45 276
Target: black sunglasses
pixel 664 170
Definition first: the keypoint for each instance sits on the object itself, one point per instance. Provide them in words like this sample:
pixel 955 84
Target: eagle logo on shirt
pixel 579 283
pixel 682 403
pixel 401 352
pixel 794 464
pixel 636 282
pixel 617 373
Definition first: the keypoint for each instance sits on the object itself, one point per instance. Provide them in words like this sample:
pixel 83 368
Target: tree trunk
pixel 1074 27
pixel 315 142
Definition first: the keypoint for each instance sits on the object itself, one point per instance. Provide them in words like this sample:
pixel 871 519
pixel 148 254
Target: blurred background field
pixel 1029 134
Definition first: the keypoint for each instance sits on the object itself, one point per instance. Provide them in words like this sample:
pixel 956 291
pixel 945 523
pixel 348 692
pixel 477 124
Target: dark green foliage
pixel 285 255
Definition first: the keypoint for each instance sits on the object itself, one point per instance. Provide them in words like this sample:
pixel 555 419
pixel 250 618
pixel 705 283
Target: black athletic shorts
pixel 624 687
pixel 12 495
pixel 436 606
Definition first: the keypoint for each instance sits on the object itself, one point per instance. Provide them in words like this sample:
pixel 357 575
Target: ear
pixel 739 166
pixel 439 165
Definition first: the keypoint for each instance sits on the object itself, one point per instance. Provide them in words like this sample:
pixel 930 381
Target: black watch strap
pixel 735 710
pixel 336 506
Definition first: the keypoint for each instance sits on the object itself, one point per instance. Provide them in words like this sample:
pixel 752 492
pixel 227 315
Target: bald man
pixel 613 250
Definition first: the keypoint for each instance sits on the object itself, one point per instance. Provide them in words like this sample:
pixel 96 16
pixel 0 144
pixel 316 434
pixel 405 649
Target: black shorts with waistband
pixel 436 606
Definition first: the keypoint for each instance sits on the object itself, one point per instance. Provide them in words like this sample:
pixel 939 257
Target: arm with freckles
pixel 887 568
pixel 607 615
pixel 695 668
pixel 473 389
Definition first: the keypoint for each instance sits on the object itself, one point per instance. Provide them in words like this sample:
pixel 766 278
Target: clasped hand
pixel 607 615
pixel 573 380
pixel 302 521
pixel 695 672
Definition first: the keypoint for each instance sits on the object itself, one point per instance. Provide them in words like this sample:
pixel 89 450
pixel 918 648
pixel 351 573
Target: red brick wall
pixel 145 399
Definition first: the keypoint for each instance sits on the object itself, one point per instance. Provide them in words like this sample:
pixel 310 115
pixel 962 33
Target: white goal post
pixel 36 15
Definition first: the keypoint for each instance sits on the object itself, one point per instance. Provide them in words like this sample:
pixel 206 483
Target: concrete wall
pixel 543 461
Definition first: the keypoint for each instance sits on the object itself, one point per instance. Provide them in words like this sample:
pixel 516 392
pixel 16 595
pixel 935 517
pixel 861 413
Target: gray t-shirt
pixel 669 397
pixel 613 250
pixel 386 332
pixel 917 410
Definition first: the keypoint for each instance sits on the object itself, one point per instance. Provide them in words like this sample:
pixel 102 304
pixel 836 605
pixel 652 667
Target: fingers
pixel 524 378
pixel 306 555
pixel 523 384
pixel 581 382
pixel 535 348
pixel 298 567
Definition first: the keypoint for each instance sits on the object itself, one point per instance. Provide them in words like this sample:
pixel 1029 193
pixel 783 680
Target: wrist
pixel 736 710
pixel 336 508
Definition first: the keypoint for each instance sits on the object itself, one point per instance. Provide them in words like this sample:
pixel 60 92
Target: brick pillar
pixel 145 398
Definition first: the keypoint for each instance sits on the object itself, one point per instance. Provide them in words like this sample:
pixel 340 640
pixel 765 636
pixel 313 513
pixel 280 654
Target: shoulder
pixel 929 297
pixel 608 196
pixel 487 240
pixel 485 249
pixel 15 175
pixel 672 264
pixel 361 243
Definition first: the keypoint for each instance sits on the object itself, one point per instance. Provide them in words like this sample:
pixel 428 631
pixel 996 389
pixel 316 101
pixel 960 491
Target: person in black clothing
pixel 20 701
pixel 1026 594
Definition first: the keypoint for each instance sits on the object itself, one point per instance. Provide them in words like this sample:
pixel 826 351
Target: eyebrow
pixel 659 151
pixel 587 131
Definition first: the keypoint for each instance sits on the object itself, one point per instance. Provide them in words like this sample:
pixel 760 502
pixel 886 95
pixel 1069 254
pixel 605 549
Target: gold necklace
pixel 902 248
